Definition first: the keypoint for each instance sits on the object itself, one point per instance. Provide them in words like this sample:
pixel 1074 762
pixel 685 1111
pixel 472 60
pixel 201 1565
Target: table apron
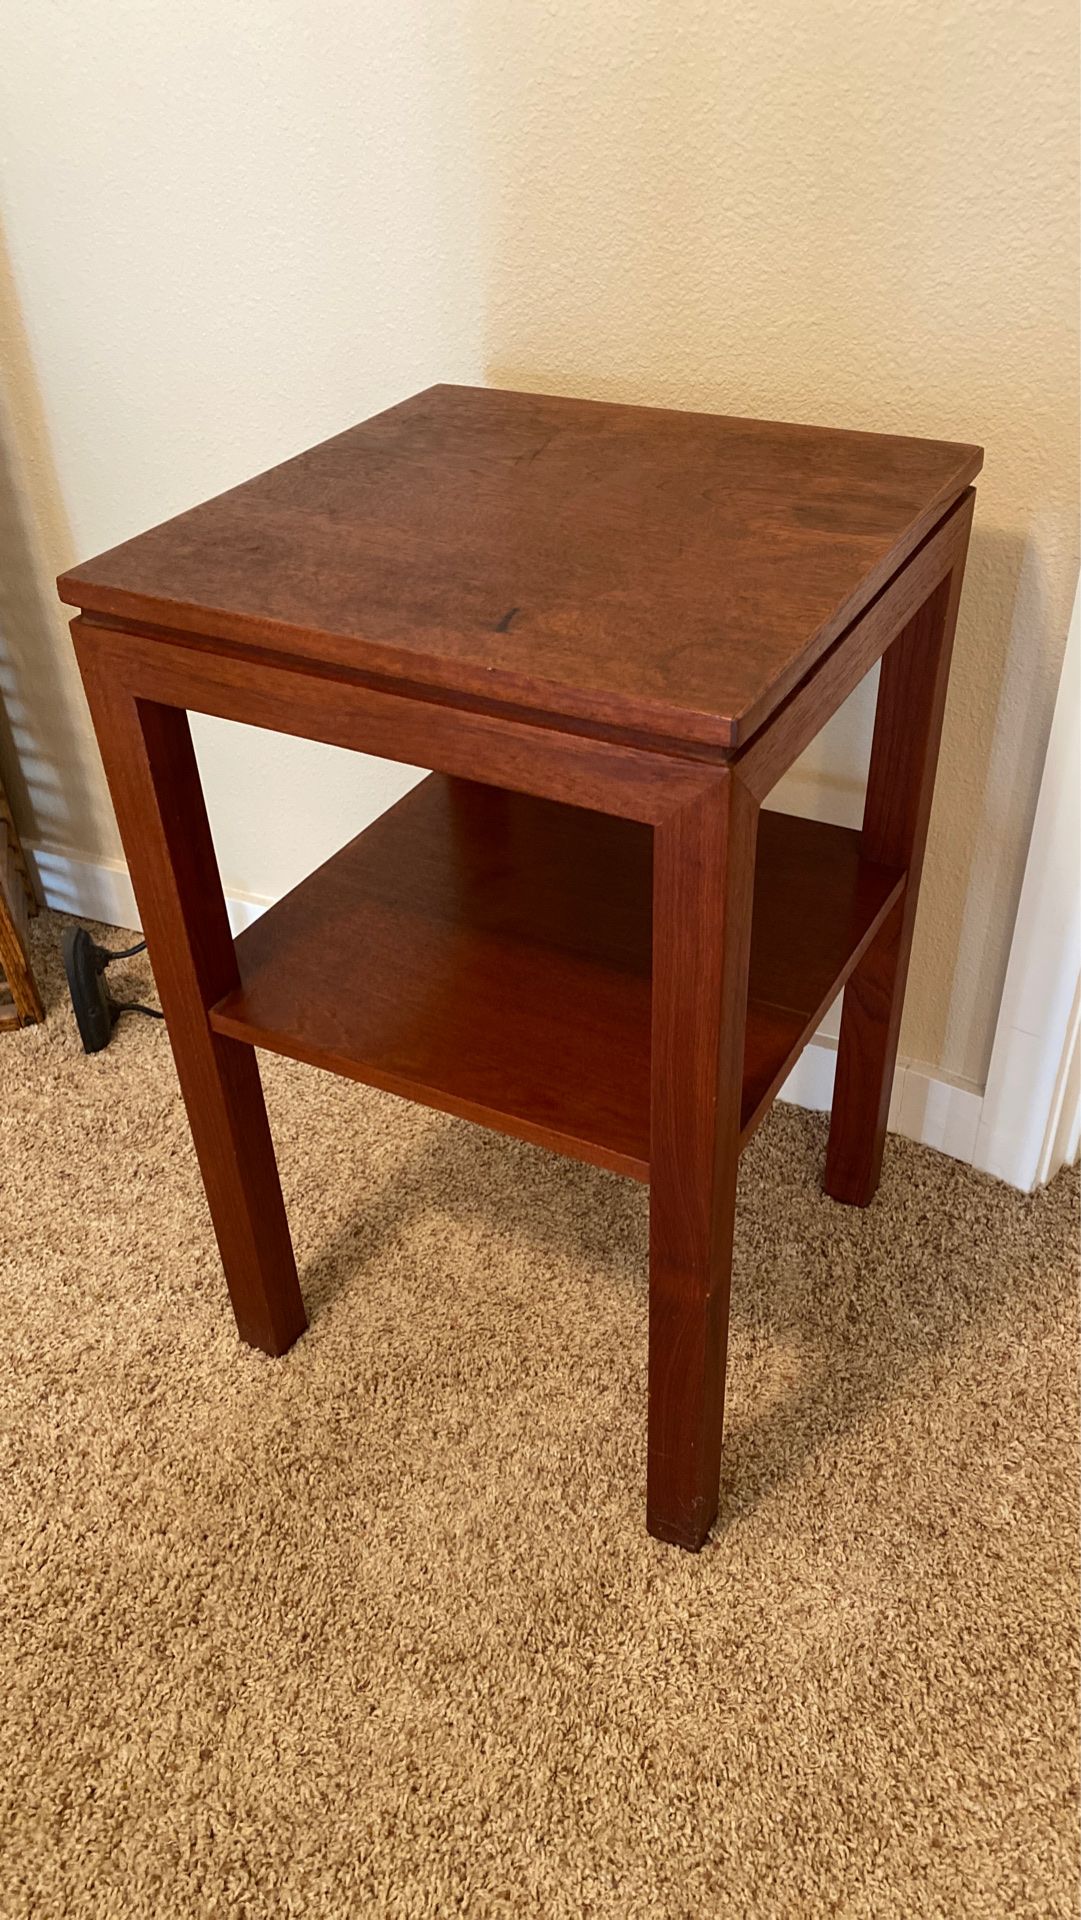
pixel 634 783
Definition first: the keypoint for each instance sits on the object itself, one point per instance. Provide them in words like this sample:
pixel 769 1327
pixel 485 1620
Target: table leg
pixel 900 787
pixel 152 773
pixel 703 891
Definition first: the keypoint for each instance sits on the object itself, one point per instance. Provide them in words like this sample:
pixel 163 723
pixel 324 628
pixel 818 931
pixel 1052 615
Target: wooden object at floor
pixel 609 631
pixel 20 1000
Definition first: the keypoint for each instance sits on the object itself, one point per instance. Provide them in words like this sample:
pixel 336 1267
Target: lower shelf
pixel 489 954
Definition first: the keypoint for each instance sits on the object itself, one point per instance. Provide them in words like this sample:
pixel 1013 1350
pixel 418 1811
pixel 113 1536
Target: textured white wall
pixel 234 230
pixel 231 231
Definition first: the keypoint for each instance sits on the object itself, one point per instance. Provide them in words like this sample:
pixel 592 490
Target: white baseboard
pixel 935 1109
pixel 101 890
pixel 926 1106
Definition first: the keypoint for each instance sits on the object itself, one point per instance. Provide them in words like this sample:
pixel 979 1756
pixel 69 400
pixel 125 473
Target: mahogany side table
pixel 609 630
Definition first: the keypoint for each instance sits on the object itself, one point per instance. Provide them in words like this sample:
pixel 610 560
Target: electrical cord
pixel 125 953
pixel 129 1006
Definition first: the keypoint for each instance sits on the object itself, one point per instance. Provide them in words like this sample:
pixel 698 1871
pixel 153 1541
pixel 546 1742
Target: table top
pixel 660 574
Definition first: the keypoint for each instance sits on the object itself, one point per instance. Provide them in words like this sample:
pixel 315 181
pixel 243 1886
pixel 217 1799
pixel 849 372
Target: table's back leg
pixel 900 787
pixel 152 773
pixel 703 891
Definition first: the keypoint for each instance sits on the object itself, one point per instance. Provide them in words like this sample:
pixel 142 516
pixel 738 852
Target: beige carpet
pixel 376 1629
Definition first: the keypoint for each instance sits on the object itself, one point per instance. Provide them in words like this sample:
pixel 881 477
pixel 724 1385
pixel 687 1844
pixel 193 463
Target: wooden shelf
pixel 489 954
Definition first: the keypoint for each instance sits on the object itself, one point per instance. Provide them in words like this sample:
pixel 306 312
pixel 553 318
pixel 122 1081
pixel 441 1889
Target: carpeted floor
pixel 377 1629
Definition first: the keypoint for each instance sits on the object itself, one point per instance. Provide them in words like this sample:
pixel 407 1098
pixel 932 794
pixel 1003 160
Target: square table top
pixel 657 573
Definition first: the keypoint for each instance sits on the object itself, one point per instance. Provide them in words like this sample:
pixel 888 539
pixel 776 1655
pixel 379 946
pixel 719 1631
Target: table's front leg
pixel 703 892
pixel 154 781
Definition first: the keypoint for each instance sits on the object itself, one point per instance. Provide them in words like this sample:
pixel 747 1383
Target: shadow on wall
pixel 47 757
pixel 677 217
pixel 994 738
pixel 646 248
pixel 992 750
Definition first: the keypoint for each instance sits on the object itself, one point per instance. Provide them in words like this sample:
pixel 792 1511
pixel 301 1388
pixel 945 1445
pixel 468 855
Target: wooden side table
pixel 610 629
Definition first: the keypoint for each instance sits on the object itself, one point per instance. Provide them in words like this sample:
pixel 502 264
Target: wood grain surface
pixel 674 574
pixel 610 630
pixel 154 782
pixel 490 954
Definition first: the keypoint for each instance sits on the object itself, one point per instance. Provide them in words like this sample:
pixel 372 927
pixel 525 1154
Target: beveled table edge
pixel 661 724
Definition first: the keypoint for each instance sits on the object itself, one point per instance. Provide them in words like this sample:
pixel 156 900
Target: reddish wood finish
pixel 796 721
pixel 640 616
pixel 818 904
pixel 703 882
pixel 524 755
pixel 900 788
pixel 20 1000
pixel 490 955
pixel 154 783
pixel 675 574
